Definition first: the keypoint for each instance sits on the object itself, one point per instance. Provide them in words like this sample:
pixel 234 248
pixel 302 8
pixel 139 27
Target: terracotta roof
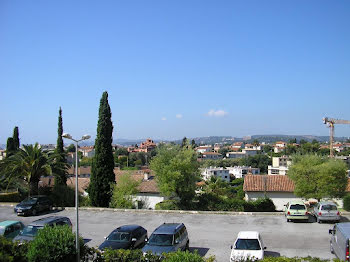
pixel 270 183
pixel 83 183
pixel 83 170
pixel 210 153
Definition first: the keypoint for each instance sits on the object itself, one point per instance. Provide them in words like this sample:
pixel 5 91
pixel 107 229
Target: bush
pixel 259 205
pixel 63 196
pixel 10 251
pixel 54 244
pixel 186 256
pixel 10 197
pixel 346 202
pixel 167 205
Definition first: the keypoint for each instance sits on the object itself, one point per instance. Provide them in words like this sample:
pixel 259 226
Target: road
pixel 210 234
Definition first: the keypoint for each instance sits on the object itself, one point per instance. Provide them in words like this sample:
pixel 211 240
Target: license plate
pixel 19 210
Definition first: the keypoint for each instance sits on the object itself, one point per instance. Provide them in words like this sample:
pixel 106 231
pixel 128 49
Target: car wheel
pixel 288 220
pixel 34 212
pixel 187 246
pixel 319 221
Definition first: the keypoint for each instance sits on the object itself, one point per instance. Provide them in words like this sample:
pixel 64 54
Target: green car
pixel 296 210
pixel 10 229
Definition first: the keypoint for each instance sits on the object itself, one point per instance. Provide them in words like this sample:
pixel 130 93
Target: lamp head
pixel 85 137
pixel 66 135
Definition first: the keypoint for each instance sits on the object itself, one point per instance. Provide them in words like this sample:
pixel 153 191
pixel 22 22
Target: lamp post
pixel 84 137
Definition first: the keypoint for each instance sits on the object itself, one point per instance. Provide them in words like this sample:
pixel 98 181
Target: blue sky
pixel 174 68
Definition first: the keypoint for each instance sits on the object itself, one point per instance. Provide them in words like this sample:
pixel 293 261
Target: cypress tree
pixel 16 138
pixel 61 173
pixel 102 175
pixel 10 147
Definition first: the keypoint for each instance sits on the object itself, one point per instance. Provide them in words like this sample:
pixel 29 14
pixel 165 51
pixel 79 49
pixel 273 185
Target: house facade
pixel 279 165
pixel 219 172
pixel 242 171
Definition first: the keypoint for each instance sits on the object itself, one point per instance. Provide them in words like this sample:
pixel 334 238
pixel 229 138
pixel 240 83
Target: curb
pixel 280 213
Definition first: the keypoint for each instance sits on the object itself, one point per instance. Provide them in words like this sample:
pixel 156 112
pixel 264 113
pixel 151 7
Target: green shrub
pixel 167 205
pixel 346 202
pixel 10 197
pixel 54 244
pixel 180 256
pixel 259 205
pixel 63 196
pixel 10 251
pixel 84 201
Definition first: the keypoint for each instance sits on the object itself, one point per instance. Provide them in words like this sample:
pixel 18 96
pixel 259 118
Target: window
pixel 297 207
pixel 177 237
pixel 329 207
pixel 247 244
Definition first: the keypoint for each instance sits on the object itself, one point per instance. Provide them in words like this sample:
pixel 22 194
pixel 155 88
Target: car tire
pixel 288 220
pixel 187 247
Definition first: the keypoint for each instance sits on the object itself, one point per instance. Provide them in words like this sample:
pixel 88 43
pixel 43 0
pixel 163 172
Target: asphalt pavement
pixel 210 234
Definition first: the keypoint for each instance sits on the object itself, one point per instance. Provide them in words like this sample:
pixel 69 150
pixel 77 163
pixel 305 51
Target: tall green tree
pixel 318 177
pixel 61 173
pixel 176 171
pixel 102 175
pixel 184 142
pixel 16 138
pixel 10 147
pixel 123 192
pixel 193 143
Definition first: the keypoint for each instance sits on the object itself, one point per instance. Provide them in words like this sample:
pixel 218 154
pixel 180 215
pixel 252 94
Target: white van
pixel 248 245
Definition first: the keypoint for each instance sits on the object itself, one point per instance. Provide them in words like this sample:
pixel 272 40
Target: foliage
pixel 318 177
pixel 16 138
pixel 54 244
pixel 10 197
pixel 86 161
pixel 346 202
pixel 123 191
pixel 259 205
pixel 11 251
pixel 258 161
pixel 10 147
pixel 29 163
pixel 168 205
pixel 102 175
pixel 180 256
pixel 176 171
pixel 63 196
pixel 61 173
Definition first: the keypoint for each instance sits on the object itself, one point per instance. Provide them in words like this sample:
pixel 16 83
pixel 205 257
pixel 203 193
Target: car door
pixel 137 234
pixel 334 242
pixel 177 241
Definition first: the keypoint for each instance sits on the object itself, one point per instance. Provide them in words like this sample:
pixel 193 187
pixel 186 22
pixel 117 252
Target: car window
pixel 17 226
pixel 2 231
pixel 297 207
pixel 119 237
pixel 31 230
pixel 247 244
pixel 329 207
pixel 177 237
pixel 61 223
pixel 161 240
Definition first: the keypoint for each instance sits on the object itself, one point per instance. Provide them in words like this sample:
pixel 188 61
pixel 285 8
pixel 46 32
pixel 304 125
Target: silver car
pixel 326 211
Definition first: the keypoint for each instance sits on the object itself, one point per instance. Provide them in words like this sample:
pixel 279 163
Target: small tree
pixel 318 177
pixel 123 192
pixel 10 147
pixel 16 138
pixel 176 171
pixel 61 174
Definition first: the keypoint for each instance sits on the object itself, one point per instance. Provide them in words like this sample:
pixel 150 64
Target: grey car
pixel 166 238
pixel 326 211
pixel 30 231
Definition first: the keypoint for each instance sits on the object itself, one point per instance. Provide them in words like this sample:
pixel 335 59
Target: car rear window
pixel 297 207
pixel 329 207
pixel 247 244
pixel 160 240
pixel 31 231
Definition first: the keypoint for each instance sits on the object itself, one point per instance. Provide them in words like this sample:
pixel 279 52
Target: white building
pixel 203 149
pixel 250 151
pixel 279 166
pixel 279 146
pixel 2 154
pixel 242 171
pixel 219 172
pixel 236 154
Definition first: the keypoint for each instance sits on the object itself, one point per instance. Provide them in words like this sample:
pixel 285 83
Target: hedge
pixel 10 197
pixel 346 202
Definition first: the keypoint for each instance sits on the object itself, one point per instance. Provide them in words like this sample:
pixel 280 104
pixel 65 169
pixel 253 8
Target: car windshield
pixel 297 207
pixel 31 231
pixel 29 201
pixel 2 230
pixel 119 237
pixel 247 244
pixel 329 207
pixel 160 240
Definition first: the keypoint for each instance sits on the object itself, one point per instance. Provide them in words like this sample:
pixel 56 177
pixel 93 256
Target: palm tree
pixel 29 163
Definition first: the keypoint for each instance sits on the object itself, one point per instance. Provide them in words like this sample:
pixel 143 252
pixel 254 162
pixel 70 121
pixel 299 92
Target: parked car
pixel 339 243
pixel 166 238
pixel 296 210
pixel 33 205
pixel 248 246
pixel 10 229
pixel 125 237
pixel 30 231
pixel 326 211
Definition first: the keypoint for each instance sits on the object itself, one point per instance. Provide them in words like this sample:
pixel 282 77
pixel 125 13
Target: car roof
pixel 248 234
pixel 8 223
pixel 327 203
pixel 46 220
pixel 168 228
pixel 126 228
pixel 293 202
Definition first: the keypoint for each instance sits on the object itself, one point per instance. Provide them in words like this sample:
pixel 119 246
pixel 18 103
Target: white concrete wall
pixel 278 198
pixel 149 200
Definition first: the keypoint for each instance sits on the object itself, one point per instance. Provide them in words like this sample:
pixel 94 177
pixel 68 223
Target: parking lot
pixel 210 234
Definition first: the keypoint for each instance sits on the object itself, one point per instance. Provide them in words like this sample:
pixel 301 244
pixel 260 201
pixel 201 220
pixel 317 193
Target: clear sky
pixel 174 68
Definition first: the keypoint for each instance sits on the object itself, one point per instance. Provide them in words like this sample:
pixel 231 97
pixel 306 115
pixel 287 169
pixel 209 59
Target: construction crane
pixel 330 122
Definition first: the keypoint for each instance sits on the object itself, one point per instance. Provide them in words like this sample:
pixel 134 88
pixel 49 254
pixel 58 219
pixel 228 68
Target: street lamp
pixel 84 137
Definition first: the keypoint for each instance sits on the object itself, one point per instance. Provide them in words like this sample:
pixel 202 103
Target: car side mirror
pixel 264 248
pixel 133 240
pixel 177 241
pixel 330 231
pixel 231 246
